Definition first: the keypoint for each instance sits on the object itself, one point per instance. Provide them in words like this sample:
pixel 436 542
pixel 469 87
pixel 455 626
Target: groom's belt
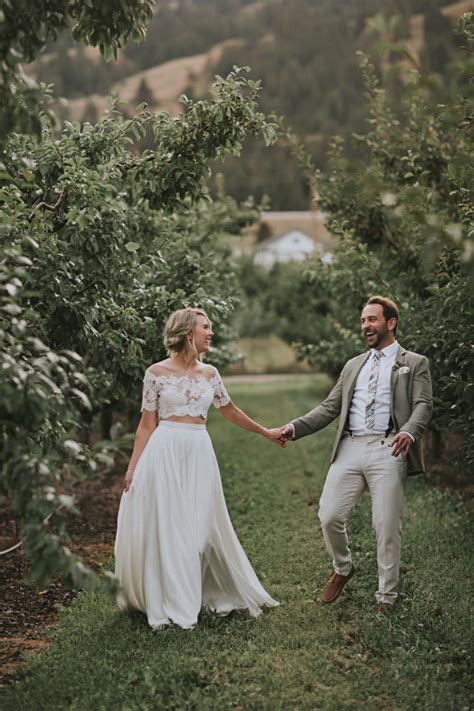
pixel 389 431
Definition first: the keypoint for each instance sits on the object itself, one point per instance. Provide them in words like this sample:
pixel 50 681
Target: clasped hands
pixel 280 435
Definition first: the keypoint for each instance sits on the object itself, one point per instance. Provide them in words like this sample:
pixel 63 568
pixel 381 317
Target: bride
pixel 176 551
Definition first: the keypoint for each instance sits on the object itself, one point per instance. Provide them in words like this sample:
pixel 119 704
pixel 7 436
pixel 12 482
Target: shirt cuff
pixel 409 434
pixel 290 424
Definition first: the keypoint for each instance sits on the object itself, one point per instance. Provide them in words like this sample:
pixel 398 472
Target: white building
pixel 288 236
pixel 294 245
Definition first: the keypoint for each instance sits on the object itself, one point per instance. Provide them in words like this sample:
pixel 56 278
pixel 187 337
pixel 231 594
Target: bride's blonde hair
pixel 177 328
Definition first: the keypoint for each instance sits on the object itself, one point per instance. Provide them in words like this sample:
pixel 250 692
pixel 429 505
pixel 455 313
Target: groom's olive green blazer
pixel 411 403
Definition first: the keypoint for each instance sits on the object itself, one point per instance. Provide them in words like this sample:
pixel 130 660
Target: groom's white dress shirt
pixel 357 423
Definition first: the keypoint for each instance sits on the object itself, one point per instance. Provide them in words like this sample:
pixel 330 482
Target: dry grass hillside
pixel 194 74
pixel 166 82
pixel 456 9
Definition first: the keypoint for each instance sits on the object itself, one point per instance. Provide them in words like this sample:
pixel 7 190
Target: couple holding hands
pixel 176 551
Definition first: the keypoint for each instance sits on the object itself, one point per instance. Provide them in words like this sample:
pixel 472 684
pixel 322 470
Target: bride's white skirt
pixel 176 551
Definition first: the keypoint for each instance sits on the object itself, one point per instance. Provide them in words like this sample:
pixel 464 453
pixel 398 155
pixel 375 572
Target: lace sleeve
pixel 221 396
pixel 150 393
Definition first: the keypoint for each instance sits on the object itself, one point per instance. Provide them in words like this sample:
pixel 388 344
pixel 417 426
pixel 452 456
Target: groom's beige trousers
pixel 360 462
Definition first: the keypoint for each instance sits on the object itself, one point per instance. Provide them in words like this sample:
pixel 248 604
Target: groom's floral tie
pixel 371 390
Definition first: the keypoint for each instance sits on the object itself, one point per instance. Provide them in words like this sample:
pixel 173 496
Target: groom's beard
pixel 380 337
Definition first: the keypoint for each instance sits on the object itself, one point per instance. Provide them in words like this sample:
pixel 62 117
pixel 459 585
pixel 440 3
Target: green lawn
pixel 302 655
pixel 267 354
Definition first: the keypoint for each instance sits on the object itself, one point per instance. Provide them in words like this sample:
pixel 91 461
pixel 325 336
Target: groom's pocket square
pixel 404 369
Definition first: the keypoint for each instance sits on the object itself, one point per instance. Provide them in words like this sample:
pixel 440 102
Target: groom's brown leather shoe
pixel 335 585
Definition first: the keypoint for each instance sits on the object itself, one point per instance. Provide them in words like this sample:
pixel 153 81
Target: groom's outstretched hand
pixel 286 433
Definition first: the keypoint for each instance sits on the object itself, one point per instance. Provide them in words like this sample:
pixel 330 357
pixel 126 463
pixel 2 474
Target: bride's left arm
pixel 234 414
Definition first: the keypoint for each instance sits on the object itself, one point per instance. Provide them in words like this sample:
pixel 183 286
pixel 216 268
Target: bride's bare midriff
pixel 187 419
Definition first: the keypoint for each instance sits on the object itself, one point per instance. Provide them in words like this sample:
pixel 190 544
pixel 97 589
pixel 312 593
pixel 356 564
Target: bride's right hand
pixel 127 480
pixel 274 435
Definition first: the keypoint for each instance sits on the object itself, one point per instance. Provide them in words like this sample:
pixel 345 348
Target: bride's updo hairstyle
pixel 177 327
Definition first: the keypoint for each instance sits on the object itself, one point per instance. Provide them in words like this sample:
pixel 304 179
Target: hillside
pixel 159 86
pixel 304 52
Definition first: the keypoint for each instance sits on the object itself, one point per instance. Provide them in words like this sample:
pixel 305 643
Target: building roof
pixel 276 225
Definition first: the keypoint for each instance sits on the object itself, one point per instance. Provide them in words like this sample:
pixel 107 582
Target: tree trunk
pixel 106 421
pixel 437 444
pixel 85 430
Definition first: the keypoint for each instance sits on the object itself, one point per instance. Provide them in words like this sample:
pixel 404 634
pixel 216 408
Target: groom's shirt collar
pixel 389 351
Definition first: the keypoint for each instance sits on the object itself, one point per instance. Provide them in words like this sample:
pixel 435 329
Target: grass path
pixel 302 655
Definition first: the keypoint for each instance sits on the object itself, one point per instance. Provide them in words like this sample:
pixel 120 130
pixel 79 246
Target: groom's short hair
pixel 390 309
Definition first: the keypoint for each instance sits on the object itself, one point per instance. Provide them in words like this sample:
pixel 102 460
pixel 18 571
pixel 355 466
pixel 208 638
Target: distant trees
pixel 437 51
pixel 91 113
pixel 144 94
pixel 304 53
pixel 279 300
pixel 306 59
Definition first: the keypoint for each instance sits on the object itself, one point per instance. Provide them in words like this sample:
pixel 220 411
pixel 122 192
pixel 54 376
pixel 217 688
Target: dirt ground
pixel 28 613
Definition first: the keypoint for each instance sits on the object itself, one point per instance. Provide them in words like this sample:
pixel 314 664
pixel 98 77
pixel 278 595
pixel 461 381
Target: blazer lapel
pixel 399 361
pixel 349 385
pixel 352 378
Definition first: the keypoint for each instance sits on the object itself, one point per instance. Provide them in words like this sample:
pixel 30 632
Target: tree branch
pixel 52 208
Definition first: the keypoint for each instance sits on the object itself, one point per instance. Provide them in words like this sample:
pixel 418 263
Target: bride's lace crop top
pixel 180 395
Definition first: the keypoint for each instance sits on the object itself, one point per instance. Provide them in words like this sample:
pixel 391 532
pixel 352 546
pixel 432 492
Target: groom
pixel 384 401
